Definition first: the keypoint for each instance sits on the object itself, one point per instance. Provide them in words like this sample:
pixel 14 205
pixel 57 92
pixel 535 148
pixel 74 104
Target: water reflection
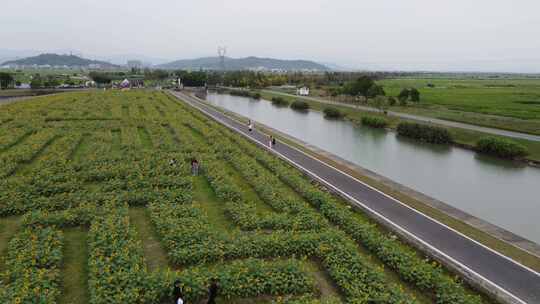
pixel 496 190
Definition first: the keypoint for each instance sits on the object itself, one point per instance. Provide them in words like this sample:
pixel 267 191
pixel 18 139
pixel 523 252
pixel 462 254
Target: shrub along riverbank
pixel 460 137
pixel 501 147
pixel 279 101
pixel 300 105
pixel 334 113
pixel 425 133
pixel 374 121
pixel 244 93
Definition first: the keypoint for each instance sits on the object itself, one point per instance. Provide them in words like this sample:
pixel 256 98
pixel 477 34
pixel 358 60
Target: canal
pixel 498 191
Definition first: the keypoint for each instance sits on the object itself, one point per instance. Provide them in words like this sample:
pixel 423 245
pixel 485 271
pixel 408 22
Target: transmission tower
pixel 222 51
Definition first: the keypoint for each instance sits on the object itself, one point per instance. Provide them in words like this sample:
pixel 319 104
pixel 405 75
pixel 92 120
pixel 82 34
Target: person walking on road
pixel 270 141
pixel 213 291
pixel 250 125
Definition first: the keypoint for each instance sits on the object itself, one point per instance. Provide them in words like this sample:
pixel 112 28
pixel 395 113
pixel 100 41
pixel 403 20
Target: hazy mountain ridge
pixel 58 60
pixel 213 63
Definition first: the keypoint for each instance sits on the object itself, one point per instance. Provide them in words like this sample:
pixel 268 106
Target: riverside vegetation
pixel 76 167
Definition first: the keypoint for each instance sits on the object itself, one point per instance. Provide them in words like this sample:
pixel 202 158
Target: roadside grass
pixel 462 137
pixel 155 255
pixel 74 268
pixel 205 198
pixel 324 284
pixel 116 138
pixel 144 138
pixel 248 193
pixel 82 148
pixel 8 227
pixel 484 238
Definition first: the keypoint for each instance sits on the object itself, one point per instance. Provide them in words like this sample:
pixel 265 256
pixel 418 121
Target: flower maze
pixel 93 211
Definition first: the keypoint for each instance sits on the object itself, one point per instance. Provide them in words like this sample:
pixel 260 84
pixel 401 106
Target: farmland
pixel 91 211
pixel 512 104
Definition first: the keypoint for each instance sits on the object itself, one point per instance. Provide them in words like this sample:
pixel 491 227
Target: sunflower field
pixel 98 204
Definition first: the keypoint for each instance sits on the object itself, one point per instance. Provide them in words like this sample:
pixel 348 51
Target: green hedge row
pixel 279 101
pixel 116 267
pixel 426 133
pixel 244 213
pixel 424 274
pixel 245 93
pixel 32 266
pixel 351 272
pixel 501 147
pixel 374 121
pixel 299 105
pixel 334 113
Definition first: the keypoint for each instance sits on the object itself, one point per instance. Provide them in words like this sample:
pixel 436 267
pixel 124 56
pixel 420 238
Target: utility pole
pixel 222 51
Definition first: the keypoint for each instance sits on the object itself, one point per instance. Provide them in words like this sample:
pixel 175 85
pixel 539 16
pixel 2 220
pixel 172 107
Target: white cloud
pixel 449 34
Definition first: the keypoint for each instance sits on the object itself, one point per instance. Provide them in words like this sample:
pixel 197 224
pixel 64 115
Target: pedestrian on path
pixel 177 293
pixel 213 291
pixel 270 141
pixel 194 167
pixel 250 125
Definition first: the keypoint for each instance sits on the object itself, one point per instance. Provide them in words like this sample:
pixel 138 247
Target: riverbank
pixel 463 138
pixel 521 250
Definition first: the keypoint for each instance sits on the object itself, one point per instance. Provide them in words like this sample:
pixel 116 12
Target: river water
pixel 498 191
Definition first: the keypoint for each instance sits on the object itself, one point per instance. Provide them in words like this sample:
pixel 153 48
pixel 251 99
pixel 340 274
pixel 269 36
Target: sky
pixel 443 35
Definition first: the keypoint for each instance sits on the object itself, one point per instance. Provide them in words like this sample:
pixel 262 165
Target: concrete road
pixel 498 274
pixel 442 122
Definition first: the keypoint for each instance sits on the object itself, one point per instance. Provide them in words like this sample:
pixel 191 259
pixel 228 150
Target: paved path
pixel 499 272
pixel 443 122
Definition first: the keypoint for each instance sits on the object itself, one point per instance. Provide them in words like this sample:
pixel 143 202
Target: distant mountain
pixel 58 60
pixel 248 63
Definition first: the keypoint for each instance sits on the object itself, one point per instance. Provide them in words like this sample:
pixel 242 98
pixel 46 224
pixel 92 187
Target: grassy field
pixel 91 211
pixel 512 104
pixel 461 136
pixel 503 103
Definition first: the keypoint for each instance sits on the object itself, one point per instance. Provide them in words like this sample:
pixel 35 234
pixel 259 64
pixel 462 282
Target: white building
pixel 303 91
pixel 23 86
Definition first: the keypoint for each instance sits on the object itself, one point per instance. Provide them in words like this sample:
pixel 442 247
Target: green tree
pixel 6 79
pixel 100 78
pixel 380 102
pixel 414 94
pixel 36 82
pixel 404 95
pixel 360 86
pixel 51 82
pixel 375 90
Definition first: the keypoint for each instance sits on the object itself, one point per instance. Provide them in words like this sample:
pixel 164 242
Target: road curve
pixel 442 122
pixel 515 281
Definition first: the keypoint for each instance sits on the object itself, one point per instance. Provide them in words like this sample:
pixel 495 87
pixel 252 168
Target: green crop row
pixel 116 268
pixel 190 240
pixel 244 213
pixel 407 263
pixel 11 136
pixel 10 159
pixel 33 262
